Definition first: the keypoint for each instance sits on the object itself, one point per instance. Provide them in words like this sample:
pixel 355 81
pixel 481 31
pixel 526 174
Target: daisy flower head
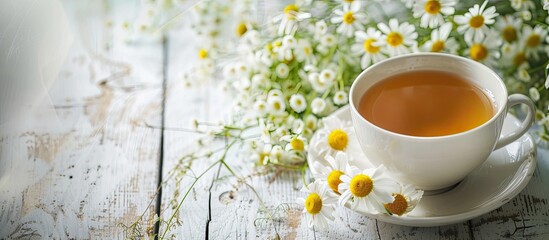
pixel 319 106
pixel 282 70
pixel 431 11
pixel 289 19
pixel 340 98
pixel 318 205
pixel 337 136
pixel 331 172
pixel 533 40
pixel 514 54
pixel 367 190
pixel 276 105
pixel 404 201
pixel 486 50
pixel 304 52
pixel 509 26
pixel 534 94
pixel 398 38
pixel 368 44
pixel 349 19
pixel 298 103
pixel 440 42
pixel 322 81
pixel 475 22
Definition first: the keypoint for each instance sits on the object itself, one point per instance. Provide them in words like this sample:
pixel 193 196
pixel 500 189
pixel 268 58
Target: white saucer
pixel 504 174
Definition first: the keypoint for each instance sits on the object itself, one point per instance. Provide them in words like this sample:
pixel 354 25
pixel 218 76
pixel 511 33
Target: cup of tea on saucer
pixel 432 118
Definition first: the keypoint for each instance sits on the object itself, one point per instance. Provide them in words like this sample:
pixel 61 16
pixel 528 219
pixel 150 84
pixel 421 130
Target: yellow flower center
pixel 533 40
pixel 307 51
pixel 241 29
pixel 277 106
pixel 348 18
pixel 202 53
pixel 338 139
pixel 432 7
pixel 333 180
pixel 269 47
pixel 437 46
pixel 297 144
pixel 290 11
pixel 398 206
pixel 394 39
pixel 361 185
pixel 519 59
pixel 478 52
pixel 476 21
pixel 509 34
pixel 368 47
pixel 348 1
pixel 262 157
pixel 313 203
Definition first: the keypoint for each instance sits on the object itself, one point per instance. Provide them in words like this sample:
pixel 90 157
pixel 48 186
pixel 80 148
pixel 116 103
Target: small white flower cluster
pixel 340 180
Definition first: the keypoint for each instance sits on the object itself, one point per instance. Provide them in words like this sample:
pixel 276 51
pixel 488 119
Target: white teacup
pixel 433 163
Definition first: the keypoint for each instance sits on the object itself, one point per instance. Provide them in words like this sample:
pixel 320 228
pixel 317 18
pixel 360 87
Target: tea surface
pixel 426 104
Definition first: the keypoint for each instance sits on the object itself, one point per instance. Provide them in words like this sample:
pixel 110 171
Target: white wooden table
pixel 106 135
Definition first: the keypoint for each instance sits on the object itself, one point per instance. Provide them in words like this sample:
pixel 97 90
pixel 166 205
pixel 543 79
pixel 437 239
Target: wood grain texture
pixel 83 163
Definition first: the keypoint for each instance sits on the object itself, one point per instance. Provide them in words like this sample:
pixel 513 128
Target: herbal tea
pixel 426 104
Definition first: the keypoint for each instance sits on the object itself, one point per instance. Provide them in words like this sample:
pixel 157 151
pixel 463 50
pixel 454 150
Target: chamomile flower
pixel 321 28
pixel 282 70
pixel 289 19
pixel 440 42
pixel 311 122
pixel 319 204
pixel 304 52
pixel 533 39
pixel 340 98
pixel 318 106
pixel 294 143
pixel 534 94
pixel 262 153
pixel 514 54
pixel 474 23
pixel 509 27
pixel 349 19
pixel 326 42
pixel 398 38
pixel 368 44
pixel 331 172
pixel 431 11
pixel 261 107
pixel 320 83
pixel 366 190
pixel 298 103
pixel 276 105
pixel 485 51
pixel 337 136
pixel 297 126
pixel 405 200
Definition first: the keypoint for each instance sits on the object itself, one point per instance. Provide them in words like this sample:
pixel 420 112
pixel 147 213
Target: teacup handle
pixel 515 99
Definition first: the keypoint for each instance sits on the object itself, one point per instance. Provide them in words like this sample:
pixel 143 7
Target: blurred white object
pixel 34 41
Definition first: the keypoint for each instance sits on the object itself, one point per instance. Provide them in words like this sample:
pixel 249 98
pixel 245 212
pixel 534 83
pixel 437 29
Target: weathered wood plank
pixel 85 163
pixel 183 106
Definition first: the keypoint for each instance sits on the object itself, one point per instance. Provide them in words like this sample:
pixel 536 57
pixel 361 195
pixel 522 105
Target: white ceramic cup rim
pixel 501 108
